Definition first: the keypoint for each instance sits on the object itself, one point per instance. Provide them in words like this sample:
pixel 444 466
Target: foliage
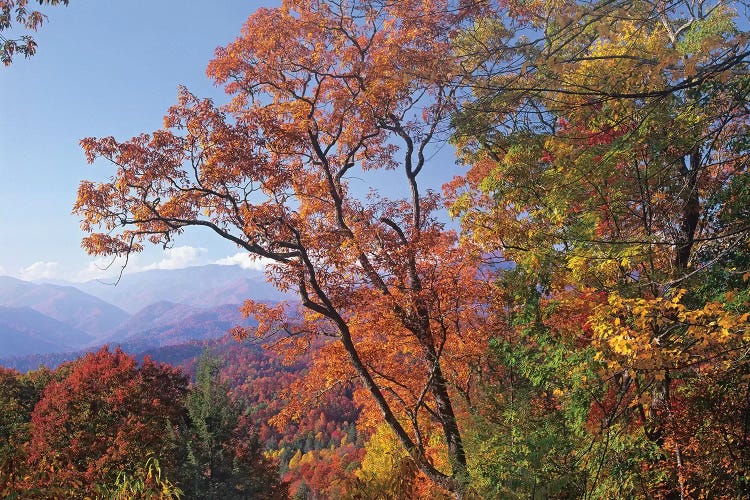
pixel 112 413
pixel 322 92
pixel 86 428
pixel 611 170
pixel 324 472
pixel 15 14
pixel 146 484
pixel 18 396
pixel 585 336
pixel 386 471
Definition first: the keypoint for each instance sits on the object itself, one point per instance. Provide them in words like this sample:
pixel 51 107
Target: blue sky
pixel 103 67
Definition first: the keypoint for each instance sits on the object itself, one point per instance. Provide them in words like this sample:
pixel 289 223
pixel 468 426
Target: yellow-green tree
pixel 608 162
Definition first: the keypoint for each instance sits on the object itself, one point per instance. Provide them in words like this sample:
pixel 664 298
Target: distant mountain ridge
pixel 191 304
pixel 166 323
pixel 25 331
pixel 66 304
pixel 150 319
pixel 202 286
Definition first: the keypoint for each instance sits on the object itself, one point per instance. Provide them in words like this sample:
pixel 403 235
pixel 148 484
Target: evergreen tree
pixel 223 457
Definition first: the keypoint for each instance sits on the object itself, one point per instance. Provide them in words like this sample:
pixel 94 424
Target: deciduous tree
pixel 106 417
pixel 324 91
pixel 611 169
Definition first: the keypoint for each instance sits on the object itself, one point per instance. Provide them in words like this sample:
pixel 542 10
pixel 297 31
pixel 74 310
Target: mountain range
pixel 25 331
pixel 66 304
pixel 144 310
pixel 202 286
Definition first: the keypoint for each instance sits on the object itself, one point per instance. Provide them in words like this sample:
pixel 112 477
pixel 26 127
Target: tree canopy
pixel 573 339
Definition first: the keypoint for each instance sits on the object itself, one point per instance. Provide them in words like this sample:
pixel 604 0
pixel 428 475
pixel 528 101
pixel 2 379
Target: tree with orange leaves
pixel 321 90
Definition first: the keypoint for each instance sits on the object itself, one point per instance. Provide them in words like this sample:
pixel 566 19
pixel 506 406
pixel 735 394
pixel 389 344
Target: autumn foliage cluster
pixel 582 331
pixel 105 426
pixel 18 16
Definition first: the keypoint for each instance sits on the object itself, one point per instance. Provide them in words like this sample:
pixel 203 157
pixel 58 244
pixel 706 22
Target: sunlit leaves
pixel 323 92
pixel 606 162
pixel 661 334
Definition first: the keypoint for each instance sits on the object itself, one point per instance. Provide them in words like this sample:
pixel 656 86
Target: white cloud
pixel 245 261
pixel 107 268
pixel 178 257
pixel 40 270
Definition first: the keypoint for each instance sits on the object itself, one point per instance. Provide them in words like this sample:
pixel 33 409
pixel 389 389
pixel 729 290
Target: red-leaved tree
pixel 107 416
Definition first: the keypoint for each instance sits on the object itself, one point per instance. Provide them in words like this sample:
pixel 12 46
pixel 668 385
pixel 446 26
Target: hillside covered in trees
pixel 567 317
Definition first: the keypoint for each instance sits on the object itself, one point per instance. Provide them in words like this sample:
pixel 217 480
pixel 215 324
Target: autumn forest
pixel 565 317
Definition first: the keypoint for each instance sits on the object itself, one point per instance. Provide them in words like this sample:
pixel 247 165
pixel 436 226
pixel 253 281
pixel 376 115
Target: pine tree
pixel 223 456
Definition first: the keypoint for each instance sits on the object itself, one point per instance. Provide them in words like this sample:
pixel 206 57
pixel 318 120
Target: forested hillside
pixel 566 318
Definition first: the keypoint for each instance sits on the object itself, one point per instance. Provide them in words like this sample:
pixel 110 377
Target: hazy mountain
pixel 202 286
pixel 26 331
pixel 66 304
pixel 165 324
pixel 169 306
pixel 185 354
pixel 152 319
pixel 31 340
